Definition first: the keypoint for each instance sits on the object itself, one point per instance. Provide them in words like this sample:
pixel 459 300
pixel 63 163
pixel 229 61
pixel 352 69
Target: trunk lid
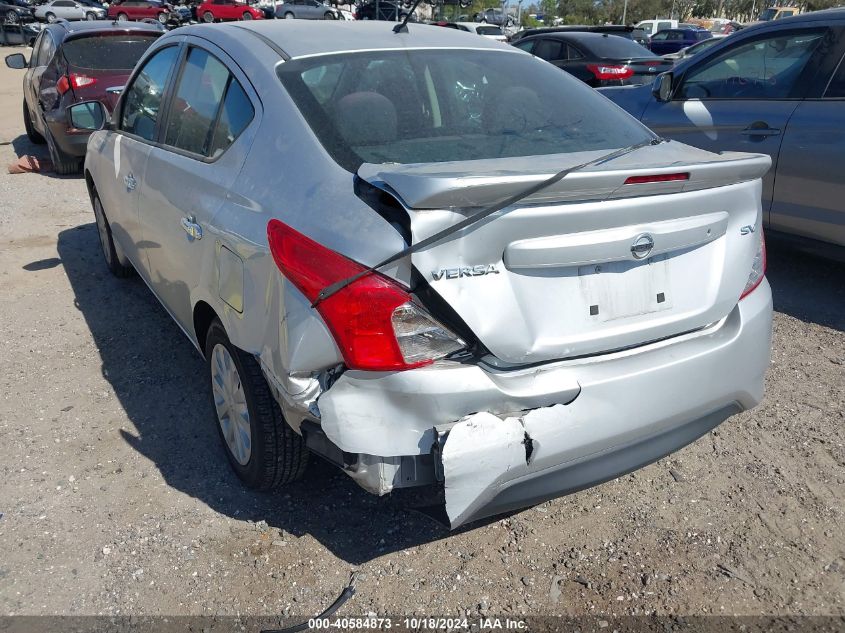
pixel 591 264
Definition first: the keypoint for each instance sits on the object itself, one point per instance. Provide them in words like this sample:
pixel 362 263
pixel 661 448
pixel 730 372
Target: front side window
pixel 142 102
pixel 659 37
pixel 763 69
pixel 446 105
pixel 836 87
pixel 526 46
pixel 209 108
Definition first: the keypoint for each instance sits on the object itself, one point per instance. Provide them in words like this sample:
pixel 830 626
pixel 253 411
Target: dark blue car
pixel 672 40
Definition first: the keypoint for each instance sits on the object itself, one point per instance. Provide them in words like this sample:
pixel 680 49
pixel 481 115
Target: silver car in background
pixel 306 10
pixel 68 10
pixel 775 88
pixel 473 273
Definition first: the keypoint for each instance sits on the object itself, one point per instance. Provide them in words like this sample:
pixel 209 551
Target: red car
pixel 123 10
pixel 212 10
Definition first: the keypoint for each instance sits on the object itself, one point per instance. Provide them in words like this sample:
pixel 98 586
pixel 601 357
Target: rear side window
pixel 142 102
pixel 205 90
pixel 550 50
pixel 836 87
pixel 452 105
pixel 488 30
pixel 107 52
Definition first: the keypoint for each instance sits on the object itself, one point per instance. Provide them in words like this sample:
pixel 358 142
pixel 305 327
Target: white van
pixel 653 26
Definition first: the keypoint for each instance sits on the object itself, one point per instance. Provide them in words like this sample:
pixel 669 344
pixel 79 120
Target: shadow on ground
pixel 160 380
pixel 22 146
pixel 806 287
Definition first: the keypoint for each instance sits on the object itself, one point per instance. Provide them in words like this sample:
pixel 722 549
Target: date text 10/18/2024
pixel 417 624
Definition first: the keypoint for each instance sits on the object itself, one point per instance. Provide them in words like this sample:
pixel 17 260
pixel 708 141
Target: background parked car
pixel 306 10
pixel 123 10
pixel 650 27
pixel 694 49
pixel 73 62
pixel 68 10
pixel 217 10
pixel 16 11
pixel 495 16
pixel 776 88
pixel 20 33
pixel 628 32
pixel 387 10
pixel 672 40
pixel 595 58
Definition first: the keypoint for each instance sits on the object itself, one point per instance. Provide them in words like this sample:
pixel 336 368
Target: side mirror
pixel 662 89
pixel 88 115
pixel 16 61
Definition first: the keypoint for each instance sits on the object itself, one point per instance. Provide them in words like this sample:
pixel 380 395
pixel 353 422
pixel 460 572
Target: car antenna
pixel 403 28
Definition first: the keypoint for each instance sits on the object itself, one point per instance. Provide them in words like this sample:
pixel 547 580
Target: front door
pixel 742 98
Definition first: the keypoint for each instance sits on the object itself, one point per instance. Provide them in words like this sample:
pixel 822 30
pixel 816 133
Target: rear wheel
pixel 208 17
pixel 122 17
pixel 90 16
pixel 51 17
pixel 162 17
pixel 328 16
pixel 289 16
pixel 12 17
pixel 107 242
pixel 262 449
pixel 62 163
pixel 31 133
pixel 247 15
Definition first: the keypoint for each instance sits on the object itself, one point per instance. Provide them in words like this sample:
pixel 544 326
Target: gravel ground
pixel 116 497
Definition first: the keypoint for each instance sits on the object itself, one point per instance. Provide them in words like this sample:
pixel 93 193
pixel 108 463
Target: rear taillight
pixel 604 72
pixel 758 266
pixel 374 320
pixel 73 80
pixel 642 180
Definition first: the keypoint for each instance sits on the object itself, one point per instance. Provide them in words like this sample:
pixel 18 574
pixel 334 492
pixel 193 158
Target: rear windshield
pixel 107 52
pixel 616 47
pixel 447 105
pixel 488 30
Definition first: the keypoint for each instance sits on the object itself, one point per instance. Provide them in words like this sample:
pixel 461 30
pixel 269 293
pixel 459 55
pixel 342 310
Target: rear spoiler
pixel 472 184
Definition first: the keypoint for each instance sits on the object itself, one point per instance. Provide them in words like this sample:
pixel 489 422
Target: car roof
pixel 301 38
pixel 585 37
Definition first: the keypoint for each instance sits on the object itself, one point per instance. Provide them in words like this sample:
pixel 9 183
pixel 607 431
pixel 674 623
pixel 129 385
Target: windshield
pixel 108 52
pixel 427 106
pixel 768 14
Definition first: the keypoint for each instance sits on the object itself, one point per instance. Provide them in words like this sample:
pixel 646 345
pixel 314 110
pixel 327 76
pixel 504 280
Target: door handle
pixel 760 129
pixel 130 182
pixel 190 226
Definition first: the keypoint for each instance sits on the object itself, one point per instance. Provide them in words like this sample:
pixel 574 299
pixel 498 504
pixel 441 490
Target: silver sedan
pixel 68 10
pixel 306 10
pixel 430 258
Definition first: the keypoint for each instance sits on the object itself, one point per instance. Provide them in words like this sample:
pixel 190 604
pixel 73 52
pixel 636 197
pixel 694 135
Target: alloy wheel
pixel 230 402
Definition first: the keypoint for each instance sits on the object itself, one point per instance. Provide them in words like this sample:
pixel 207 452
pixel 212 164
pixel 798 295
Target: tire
pixel 107 241
pixel 277 455
pixel 208 17
pixel 328 15
pixel 122 17
pixel 51 17
pixel 90 16
pixel 12 17
pixel 289 16
pixel 247 15
pixel 31 133
pixel 63 164
pixel 162 18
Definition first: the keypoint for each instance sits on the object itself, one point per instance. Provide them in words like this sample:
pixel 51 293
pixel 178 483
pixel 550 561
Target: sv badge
pixel 746 230
pixel 464 271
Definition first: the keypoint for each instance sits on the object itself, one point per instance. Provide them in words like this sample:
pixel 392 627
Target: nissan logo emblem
pixel 642 246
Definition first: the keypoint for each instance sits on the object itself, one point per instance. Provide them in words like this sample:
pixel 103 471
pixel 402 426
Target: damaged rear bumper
pixel 503 440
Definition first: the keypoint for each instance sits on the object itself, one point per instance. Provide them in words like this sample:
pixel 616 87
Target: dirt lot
pixel 116 497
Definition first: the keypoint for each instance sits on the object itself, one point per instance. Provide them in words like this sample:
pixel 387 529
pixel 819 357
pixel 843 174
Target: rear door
pixel 742 97
pixel 211 121
pixel 565 57
pixel 809 195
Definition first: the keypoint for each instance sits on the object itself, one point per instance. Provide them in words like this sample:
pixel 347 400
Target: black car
pixel 17 34
pixel 597 59
pixel 74 62
pixel 628 32
pixel 387 10
pixel 16 11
